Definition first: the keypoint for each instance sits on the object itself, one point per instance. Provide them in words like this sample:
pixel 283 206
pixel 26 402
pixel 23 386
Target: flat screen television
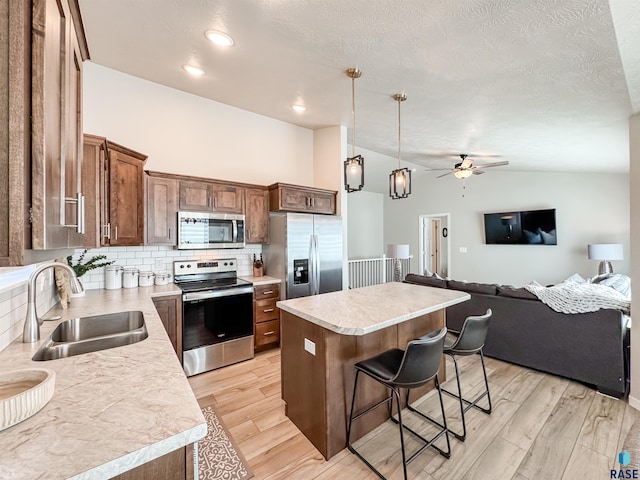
pixel 530 227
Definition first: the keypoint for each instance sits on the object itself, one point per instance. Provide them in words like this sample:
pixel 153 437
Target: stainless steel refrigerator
pixel 305 252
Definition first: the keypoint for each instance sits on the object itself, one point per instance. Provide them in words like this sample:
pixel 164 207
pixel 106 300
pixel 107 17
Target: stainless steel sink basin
pixel 90 334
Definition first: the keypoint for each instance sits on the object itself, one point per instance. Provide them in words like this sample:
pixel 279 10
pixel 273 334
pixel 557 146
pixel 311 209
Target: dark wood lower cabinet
pixel 176 465
pixel 170 311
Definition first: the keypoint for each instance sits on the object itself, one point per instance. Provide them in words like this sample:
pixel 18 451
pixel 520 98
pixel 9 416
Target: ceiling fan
pixel 466 168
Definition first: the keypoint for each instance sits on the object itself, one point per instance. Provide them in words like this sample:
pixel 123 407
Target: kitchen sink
pixel 90 334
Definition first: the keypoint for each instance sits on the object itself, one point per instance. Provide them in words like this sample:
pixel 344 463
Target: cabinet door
pixel 257 215
pixel 227 198
pixel 162 211
pixel 94 182
pixel 323 203
pixel 126 199
pixel 170 312
pixel 195 196
pixel 294 199
pixel 75 188
pixel 50 45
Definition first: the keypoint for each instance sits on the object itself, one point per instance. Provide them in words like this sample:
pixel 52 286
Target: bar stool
pixel 469 342
pixel 396 369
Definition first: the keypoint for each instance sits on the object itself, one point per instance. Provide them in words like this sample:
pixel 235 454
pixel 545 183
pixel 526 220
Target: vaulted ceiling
pixel 544 84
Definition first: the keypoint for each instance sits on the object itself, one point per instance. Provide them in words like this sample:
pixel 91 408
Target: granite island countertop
pixel 112 410
pixel 360 311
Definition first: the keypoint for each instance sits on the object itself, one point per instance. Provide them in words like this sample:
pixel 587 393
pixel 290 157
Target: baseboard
pixel 634 402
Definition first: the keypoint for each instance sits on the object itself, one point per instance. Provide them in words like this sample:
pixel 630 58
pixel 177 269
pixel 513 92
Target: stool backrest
pixel 421 360
pixel 473 334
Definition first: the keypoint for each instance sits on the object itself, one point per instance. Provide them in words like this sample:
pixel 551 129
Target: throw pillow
pixel 548 238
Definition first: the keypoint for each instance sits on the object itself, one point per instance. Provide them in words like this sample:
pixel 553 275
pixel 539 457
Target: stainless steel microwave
pixel 210 230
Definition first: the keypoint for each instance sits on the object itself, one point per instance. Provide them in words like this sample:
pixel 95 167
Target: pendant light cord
pixel 353 114
pixel 399 102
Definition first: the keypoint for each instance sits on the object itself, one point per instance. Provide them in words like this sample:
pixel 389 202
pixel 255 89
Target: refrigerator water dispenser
pixel 300 271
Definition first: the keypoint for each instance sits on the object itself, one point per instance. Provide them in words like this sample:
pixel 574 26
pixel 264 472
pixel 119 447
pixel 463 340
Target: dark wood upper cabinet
pixel 162 209
pixel 294 198
pixel 126 196
pixel 257 215
pixel 210 196
pixel 113 176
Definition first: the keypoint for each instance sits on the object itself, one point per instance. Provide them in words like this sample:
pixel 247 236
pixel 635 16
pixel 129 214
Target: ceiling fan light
pixel 462 173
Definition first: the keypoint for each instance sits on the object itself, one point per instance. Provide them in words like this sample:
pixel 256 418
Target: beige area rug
pixel 218 457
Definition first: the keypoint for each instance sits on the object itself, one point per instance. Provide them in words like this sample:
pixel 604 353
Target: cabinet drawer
pixel 271 290
pixel 268 333
pixel 266 310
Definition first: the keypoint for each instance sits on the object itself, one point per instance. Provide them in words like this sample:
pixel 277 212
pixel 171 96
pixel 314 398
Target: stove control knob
pixel 225 264
pixel 181 266
pixel 230 263
pixel 189 266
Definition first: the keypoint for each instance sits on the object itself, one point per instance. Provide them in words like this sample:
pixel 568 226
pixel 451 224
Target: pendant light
pixel 353 166
pixel 400 179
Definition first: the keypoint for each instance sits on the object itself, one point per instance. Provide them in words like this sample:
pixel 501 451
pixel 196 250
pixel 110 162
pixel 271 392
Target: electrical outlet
pixel 158 265
pixel 309 346
pixel 462 249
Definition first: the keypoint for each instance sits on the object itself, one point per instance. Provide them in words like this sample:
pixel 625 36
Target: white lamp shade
pixel 605 251
pixel 397 251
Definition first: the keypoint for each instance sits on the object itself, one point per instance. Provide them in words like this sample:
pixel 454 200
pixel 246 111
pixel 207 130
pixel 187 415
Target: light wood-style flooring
pixel 542 427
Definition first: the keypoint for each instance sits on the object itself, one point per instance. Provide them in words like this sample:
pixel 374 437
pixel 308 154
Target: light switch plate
pixel 462 249
pixel 309 346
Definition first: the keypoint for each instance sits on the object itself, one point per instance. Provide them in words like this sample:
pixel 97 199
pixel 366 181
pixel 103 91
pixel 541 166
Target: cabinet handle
pixel 116 232
pixel 268 292
pixel 269 333
pixel 268 310
pixel 107 229
pixel 313 201
pixel 209 202
pixel 81 222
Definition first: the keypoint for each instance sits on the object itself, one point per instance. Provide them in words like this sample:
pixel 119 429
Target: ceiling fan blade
pixel 437 169
pixel 477 172
pixel 444 175
pixel 495 164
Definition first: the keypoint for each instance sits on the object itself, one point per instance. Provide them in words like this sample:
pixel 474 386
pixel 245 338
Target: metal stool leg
pixel 473 403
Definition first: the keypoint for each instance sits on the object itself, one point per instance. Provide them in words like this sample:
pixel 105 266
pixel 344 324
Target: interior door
pixel 434 253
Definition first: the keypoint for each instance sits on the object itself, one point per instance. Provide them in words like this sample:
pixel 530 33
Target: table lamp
pixel 605 252
pixel 398 252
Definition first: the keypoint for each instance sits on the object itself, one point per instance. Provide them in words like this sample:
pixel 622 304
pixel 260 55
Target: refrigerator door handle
pixel 317 265
pixel 312 269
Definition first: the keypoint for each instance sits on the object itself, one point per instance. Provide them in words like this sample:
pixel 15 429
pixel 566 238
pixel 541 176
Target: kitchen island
pixel 112 410
pixel 323 336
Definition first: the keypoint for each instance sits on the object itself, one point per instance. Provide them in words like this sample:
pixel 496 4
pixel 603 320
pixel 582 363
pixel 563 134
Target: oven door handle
pixel 215 294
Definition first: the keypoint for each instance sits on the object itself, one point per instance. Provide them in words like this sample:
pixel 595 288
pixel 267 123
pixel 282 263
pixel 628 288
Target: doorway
pixel 435 254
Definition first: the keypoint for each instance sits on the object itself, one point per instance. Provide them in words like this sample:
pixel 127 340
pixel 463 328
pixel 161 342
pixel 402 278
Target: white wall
pixel 366 225
pixel 590 208
pixel 186 134
pixel 634 158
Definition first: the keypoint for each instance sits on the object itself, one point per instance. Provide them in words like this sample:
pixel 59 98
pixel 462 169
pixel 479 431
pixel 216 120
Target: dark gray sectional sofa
pixel 589 347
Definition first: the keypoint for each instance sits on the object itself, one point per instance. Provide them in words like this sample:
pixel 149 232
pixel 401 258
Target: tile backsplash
pixel 13 300
pixel 160 259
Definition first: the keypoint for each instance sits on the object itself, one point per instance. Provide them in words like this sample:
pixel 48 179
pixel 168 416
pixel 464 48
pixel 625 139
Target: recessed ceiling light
pixel 299 108
pixel 193 70
pixel 219 38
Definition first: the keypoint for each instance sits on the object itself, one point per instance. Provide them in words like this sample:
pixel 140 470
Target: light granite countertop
pixel 264 280
pixel 112 410
pixel 364 310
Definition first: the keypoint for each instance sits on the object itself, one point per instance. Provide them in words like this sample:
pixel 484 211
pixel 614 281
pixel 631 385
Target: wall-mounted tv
pixel 530 227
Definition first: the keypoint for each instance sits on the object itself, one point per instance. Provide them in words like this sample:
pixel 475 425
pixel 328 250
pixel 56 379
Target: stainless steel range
pixel 217 314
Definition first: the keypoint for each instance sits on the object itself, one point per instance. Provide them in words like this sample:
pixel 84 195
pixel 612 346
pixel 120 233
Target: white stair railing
pixel 372 271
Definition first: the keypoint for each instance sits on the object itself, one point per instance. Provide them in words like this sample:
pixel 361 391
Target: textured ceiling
pixel 539 83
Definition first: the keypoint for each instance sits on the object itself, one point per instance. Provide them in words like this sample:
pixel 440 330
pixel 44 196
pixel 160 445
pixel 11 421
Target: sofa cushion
pixel 508 291
pixel 428 281
pixel 472 287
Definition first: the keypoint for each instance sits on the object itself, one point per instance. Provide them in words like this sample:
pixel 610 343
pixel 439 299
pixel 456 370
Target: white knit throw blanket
pixel 573 297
